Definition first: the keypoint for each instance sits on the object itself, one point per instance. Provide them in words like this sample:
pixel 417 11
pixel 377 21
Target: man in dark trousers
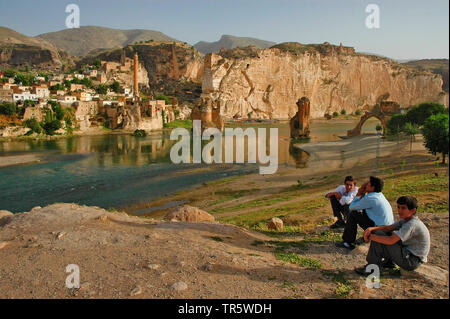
pixel 340 200
pixel 369 208
pixel 405 243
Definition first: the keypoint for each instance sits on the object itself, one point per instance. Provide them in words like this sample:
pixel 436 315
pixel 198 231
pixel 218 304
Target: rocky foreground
pixel 120 256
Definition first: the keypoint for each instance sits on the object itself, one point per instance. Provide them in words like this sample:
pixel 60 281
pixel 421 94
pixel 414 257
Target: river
pixel 119 170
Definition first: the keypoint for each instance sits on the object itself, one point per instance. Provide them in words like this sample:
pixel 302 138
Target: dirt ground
pixel 123 256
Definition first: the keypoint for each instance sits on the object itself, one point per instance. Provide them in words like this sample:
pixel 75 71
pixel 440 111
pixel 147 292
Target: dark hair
pixel 377 183
pixel 349 178
pixel 409 201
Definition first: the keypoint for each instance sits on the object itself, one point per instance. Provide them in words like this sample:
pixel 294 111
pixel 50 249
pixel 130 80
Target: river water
pixel 119 170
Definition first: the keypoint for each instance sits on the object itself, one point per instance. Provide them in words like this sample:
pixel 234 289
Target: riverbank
pixel 237 256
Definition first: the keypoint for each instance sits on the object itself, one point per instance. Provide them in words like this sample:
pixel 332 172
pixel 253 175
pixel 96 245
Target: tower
pixel 136 83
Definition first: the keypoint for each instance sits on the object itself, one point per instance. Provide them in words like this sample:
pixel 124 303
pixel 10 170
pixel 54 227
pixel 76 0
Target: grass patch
pixel 438 206
pixel 179 123
pixel 223 180
pixel 343 290
pixel 298 260
pixel 414 185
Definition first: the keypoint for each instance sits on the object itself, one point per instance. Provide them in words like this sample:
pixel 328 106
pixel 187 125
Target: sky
pixel 408 29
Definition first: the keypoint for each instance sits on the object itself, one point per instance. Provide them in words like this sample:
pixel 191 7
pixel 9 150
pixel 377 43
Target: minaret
pixel 136 83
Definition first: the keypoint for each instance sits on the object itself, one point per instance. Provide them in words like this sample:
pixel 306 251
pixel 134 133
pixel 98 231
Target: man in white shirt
pixel 340 200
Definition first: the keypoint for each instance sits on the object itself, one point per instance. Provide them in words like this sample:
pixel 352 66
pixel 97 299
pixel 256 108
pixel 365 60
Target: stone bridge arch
pixel 383 112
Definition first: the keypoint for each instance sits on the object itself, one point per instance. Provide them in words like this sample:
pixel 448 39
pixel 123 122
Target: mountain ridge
pixel 230 42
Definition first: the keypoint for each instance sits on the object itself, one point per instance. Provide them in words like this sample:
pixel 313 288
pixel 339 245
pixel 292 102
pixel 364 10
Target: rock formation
pixel 299 124
pixel 188 213
pixel 268 82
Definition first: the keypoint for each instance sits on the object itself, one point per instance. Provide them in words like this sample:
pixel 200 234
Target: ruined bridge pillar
pixel 299 123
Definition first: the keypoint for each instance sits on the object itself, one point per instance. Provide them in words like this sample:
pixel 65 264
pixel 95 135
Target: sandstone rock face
pixel 14 131
pixel 276 224
pixel 188 213
pixel 5 217
pixel 268 82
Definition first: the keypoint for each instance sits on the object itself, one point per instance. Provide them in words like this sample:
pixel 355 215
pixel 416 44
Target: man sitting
pixel 340 200
pixel 366 211
pixel 407 247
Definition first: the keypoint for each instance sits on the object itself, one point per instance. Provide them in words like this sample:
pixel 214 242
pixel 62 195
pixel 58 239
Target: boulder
pixel 275 223
pixel 5 217
pixel 188 213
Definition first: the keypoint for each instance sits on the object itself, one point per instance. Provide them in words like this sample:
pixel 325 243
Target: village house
pixel 41 91
pixel 83 96
pixel 24 96
pixel 76 87
pixel 6 95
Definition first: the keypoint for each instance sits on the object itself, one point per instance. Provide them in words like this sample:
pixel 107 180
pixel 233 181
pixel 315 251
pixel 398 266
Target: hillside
pixel 18 50
pixel 231 42
pixel 79 42
pixel 174 69
pixel 437 66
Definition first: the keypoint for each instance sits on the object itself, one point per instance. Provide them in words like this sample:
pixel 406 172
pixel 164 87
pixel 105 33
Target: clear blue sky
pixel 409 29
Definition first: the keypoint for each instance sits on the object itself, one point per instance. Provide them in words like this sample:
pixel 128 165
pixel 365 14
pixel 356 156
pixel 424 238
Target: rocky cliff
pixel 268 82
pixel 18 50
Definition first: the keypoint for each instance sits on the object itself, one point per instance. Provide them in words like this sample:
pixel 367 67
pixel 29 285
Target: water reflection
pixel 118 170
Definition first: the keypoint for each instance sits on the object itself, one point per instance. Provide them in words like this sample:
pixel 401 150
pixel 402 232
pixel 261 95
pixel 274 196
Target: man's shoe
pixel 345 245
pixel 338 224
pixel 362 271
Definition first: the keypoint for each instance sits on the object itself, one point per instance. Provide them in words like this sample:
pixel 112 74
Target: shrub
pixel 140 133
pixel 8 108
pixel 358 112
pixel 163 97
pixel 343 112
pixel 33 124
pixel 51 127
pixel 335 114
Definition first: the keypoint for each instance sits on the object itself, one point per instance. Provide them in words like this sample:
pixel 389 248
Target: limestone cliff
pixel 268 82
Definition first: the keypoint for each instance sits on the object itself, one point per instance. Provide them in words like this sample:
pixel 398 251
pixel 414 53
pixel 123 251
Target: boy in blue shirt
pixel 369 208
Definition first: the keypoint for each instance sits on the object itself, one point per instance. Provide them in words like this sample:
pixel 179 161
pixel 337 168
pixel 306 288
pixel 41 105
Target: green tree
pixel 411 130
pixel 24 78
pixel 163 97
pixel 102 89
pixel 33 124
pixel 435 133
pixel 343 112
pixel 115 86
pixel 396 124
pixel 8 108
pixel 10 73
pixel 97 63
pixel 419 113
